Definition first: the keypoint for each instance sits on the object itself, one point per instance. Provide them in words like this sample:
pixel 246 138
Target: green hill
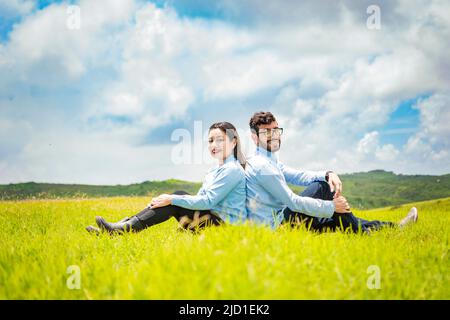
pixel 379 188
pixel 364 190
pixel 32 190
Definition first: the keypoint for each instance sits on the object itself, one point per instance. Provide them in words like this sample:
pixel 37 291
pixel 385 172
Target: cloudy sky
pixel 102 92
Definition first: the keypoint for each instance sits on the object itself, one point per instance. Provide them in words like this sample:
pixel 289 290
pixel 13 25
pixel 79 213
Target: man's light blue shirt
pixel 223 192
pixel 268 193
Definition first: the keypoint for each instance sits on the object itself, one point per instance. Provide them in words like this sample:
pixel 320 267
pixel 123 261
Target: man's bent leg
pixel 317 190
pixel 321 190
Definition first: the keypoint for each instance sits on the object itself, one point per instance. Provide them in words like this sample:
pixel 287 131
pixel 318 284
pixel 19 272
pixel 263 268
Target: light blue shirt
pixel 268 193
pixel 223 192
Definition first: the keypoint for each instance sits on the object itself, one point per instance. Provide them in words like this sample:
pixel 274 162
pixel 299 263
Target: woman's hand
pixel 161 201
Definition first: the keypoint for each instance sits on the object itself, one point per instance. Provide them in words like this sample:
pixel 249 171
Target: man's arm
pixel 300 177
pixel 275 185
pixel 304 178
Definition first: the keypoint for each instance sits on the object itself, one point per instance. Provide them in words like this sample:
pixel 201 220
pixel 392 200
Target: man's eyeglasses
pixel 272 132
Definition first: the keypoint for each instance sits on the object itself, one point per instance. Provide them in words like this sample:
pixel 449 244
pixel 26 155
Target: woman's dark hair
pixel 232 133
pixel 261 118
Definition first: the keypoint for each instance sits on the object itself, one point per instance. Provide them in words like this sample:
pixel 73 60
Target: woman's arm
pixel 225 181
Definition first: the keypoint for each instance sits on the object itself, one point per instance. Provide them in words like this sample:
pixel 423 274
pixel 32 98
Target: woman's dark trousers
pixel 188 219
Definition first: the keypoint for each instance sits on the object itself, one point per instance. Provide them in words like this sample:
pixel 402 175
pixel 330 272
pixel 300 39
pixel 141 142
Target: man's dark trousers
pixel 347 221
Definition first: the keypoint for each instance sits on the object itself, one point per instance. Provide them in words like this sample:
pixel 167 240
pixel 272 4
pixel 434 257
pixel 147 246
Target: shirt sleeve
pixel 225 181
pixel 300 177
pixel 278 188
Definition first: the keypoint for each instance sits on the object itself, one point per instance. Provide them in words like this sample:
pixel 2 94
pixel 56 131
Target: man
pixel 320 206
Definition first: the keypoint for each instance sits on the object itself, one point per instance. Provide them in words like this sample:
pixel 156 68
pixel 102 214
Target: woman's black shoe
pixel 132 224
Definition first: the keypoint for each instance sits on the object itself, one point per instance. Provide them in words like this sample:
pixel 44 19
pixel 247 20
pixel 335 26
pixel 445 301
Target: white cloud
pixel 43 51
pixel 432 142
pixel 92 158
pixel 369 147
pixel 149 88
pixel 369 143
pixel 387 153
pixel 13 136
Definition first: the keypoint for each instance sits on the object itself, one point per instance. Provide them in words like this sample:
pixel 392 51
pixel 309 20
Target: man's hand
pixel 335 184
pixel 341 205
pixel 161 201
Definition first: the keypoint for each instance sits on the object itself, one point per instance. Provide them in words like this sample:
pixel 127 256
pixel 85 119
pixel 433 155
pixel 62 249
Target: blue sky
pixel 402 123
pixel 100 104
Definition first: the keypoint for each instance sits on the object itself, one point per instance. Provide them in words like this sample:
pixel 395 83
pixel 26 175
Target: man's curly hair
pixel 261 118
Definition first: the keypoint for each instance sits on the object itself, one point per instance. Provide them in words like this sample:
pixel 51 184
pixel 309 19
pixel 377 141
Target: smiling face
pixel 220 145
pixel 267 140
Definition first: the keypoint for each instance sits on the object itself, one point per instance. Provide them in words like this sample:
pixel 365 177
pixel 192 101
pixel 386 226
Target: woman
pixel 220 199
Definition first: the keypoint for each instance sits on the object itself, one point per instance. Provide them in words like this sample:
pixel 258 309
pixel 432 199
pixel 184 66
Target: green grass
pixel 40 239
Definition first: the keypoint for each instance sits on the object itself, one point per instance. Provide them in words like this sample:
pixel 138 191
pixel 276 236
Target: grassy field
pixel 41 239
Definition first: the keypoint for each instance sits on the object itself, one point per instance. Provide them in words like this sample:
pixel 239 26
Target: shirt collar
pixel 268 154
pixel 230 158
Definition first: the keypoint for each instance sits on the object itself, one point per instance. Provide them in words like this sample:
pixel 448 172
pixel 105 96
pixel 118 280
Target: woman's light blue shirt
pixel 223 192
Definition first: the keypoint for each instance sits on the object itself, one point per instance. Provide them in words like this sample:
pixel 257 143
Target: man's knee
pixel 326 190
pixel 180 192
pixel 318 189
pixel 324 185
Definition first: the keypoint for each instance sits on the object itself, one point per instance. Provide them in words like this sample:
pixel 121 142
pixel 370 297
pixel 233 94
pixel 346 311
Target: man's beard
pixel 269 145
